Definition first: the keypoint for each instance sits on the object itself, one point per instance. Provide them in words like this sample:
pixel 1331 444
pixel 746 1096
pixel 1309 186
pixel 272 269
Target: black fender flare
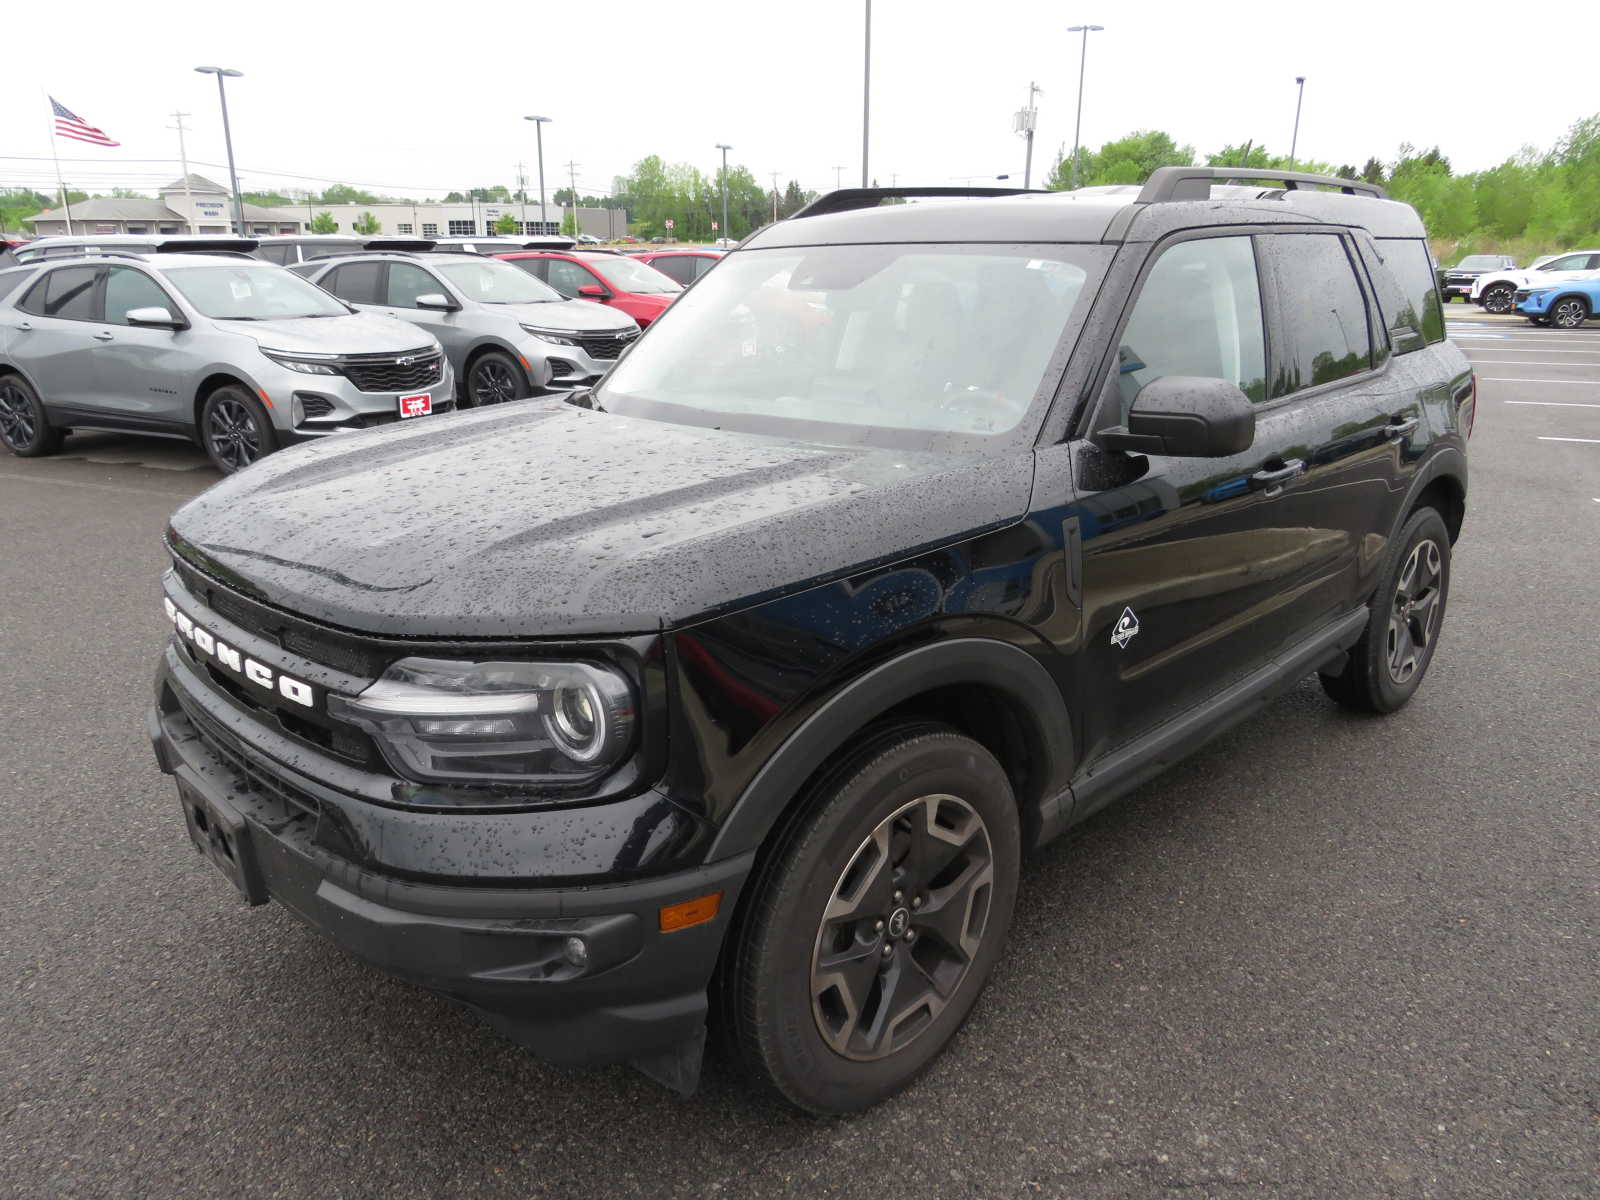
pixel 971 661
pixel 1447 462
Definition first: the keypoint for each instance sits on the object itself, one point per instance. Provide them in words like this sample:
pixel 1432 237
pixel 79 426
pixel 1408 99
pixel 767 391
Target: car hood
pixel 540 519
pixel 582 315
pixel 357 333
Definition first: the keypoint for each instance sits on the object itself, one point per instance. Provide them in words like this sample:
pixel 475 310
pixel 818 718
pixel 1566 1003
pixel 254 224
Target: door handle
pixel 103 336
pixel 1401 427
pixel 1265 478
pixel 24 326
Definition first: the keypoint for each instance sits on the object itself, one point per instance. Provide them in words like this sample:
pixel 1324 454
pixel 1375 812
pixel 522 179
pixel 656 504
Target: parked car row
pixel 226 342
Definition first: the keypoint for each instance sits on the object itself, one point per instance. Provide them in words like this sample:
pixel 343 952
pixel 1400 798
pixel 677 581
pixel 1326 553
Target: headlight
pixel 497 722
pixel 558 337
pixel 306 366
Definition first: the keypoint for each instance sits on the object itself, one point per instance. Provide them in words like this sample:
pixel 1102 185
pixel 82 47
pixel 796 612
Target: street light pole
pixel 724 148
pixel 227 136
pixel 1294 142
pixel 866 94
pixel 538 125
pixel 1083 59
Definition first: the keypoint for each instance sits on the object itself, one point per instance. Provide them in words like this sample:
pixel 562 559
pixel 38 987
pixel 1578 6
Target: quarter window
pixel 1323 312
pixel 676 266
pixel 67 293
pixel 1407 260
pixel 1199 313
pixel 127 289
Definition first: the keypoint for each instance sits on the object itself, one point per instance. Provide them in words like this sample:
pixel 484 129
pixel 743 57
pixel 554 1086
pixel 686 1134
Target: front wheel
pixel 1569 312
pixel 24 428
pixel 872 928
pixel 235 429
pixel 493 378
pixel 1387 665
pixel 1498 298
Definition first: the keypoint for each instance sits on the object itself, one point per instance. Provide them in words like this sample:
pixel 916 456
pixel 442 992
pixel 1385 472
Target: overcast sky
pixel 425 98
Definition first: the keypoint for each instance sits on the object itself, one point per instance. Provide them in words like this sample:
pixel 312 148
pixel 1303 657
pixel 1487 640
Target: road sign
pixel 713 227
pixel 669 222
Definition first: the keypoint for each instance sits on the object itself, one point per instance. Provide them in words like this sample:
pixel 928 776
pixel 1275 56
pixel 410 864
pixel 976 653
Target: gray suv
pixel 507 334
pixel 239 355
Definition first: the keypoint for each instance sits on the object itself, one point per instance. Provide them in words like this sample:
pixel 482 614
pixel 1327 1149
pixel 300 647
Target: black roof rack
pixel 848 199
pixel 1194 183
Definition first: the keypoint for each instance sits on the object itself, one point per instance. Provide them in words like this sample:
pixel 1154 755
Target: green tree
pixel 569 224
pixel 454 198
pixel 506 224
pixel 323 222
pixel 366 224
pixel 340 193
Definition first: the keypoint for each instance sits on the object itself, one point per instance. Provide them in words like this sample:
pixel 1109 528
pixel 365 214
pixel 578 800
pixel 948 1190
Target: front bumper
pixel 306 407
pixel 1534 303
pixel 503 952
pixel 569 367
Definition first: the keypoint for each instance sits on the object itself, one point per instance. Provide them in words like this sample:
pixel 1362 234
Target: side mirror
pixel 593 291
pixel 157 316
pixel 1186 416
pixel 437 301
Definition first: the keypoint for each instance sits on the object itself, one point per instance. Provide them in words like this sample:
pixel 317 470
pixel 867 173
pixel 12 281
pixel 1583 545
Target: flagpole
pixel 56 156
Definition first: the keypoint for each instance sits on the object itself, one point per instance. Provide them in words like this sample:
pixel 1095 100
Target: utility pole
pixel 183 157
pixel 572 179
pixel 522 192
pixel 1294 142
pixel 724 148
pixel 866 93
pixel 775 195
pixel 1025 121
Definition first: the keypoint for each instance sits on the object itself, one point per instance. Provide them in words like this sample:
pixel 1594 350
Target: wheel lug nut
pixel 877 926
pixel 916 902
pixel 899 896
pixel 887 950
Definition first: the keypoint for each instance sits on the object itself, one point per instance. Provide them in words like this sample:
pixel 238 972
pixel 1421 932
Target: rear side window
pixel 358 282
pixel 277 253
pixel 67 292
pixel 1408 262
pixel 1322 312
pixel 679 267
pixel 1199 313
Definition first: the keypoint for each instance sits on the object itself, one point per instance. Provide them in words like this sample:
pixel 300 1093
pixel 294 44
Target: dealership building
pixel 197 205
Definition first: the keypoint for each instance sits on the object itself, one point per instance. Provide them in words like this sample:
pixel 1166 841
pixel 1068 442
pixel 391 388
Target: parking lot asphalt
pixel 1326 957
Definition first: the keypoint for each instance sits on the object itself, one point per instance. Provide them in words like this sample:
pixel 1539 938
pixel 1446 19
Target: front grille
pixel 387 373
pixel 248 775
pixel 605 345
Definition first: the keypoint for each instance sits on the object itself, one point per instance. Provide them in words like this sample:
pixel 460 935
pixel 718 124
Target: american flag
pixel 72 126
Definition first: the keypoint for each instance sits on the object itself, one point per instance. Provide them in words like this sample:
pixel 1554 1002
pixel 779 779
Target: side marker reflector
pixel 264 399
pixel 690 912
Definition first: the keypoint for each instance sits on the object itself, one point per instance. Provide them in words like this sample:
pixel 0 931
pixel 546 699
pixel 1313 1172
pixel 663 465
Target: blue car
pixel 1566 305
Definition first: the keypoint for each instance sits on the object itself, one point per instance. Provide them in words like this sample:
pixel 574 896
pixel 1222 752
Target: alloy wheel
pixel 16 416
pixel 902 927
pixel 1497 299
pixel 1414 617
pixel 493 383
pixel 232 434
pixel 1569 314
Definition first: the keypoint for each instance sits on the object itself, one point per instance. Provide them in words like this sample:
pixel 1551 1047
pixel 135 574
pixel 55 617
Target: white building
pixel 197 205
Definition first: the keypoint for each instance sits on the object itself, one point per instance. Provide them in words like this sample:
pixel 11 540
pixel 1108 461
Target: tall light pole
pixel 1294 141
pixel 539 124
pixel 724 149
pixel 227 136
pixel 1083 58
pixel 866 94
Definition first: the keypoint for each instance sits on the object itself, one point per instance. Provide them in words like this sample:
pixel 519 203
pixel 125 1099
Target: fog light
pixel 577 952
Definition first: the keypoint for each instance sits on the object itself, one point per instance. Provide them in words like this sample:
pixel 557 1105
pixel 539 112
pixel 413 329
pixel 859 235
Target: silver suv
pixel 239 355
pixel 507 334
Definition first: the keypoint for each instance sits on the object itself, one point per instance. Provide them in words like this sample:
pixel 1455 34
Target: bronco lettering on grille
pixel 229 657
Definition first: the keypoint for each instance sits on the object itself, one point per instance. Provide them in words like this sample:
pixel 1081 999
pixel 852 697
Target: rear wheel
pixel 24 428
pixel 494 378
pixel 235 429
pixel 1569 312
pixel 1498 298
pixel 873 927
pixel 1387 665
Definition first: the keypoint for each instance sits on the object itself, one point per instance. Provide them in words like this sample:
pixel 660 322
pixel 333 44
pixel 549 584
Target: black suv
pixel 906 539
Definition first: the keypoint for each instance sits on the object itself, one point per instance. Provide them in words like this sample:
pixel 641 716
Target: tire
pixel 1498 298
pixel 235 430
pixel 24 428
pixel 867 845
pixel 1386 666
pixel 1569 312
pixel 493 378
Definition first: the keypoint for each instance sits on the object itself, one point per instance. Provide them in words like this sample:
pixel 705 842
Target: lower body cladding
pixel 581 975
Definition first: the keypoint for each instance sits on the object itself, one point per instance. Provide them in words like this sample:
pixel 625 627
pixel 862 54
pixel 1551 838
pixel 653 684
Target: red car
pixel 683 265
pixel 604 276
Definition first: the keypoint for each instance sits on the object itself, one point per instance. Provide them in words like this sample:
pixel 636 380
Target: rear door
pixel 55 336
pixel 359 283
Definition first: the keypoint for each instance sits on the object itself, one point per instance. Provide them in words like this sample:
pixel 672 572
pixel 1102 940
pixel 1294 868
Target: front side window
pixel 1322 310
pixel 1198 313
pixel 127 289
pixel 915 346
pixel 490 281
pixel 67 293
pixel 1567 262
pixel 252 293
pixel 407 282
pixel 628 276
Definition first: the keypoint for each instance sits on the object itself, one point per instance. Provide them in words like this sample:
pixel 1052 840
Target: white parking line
pixel 1542 438
pixel 1553 403
pixel 1522 362
pixel 1514 379
pixel 1524 350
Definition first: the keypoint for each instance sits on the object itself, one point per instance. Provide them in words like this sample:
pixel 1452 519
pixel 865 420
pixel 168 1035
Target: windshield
pixel 490 281
pixel 628 276
pixel 911 346
pixel 1480 262
pixel 252 293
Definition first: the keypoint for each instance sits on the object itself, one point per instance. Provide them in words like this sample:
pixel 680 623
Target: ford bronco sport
pixel 909 537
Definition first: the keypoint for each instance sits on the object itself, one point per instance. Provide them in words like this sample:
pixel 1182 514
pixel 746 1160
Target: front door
pixel 403 284
pixel 140 370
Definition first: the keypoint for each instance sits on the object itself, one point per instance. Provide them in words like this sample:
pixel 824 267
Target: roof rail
pixel 847 199
pixel 1194 183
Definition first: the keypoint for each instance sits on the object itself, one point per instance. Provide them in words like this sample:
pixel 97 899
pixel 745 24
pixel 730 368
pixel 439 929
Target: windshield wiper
pixel 240 318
